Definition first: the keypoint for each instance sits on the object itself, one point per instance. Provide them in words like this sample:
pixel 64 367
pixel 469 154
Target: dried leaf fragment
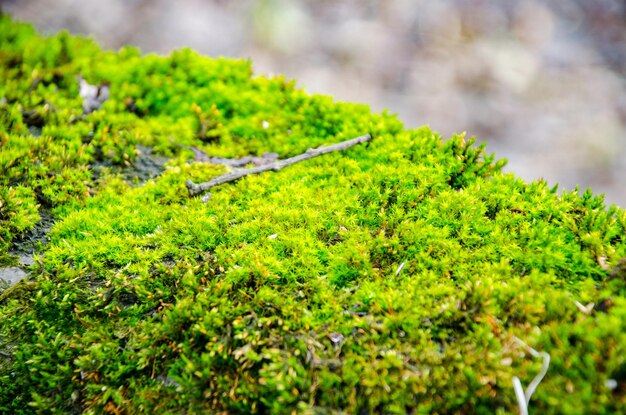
pixel 93 95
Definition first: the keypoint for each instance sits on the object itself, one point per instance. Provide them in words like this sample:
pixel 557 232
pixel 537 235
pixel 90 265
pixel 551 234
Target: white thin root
pixel 523 397
pixel 602 263
pixel 400 268
pixel 586 309
pixel 206 197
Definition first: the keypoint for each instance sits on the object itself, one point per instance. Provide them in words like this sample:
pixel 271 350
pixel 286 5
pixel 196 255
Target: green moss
pixel 18 212
pixel 390 278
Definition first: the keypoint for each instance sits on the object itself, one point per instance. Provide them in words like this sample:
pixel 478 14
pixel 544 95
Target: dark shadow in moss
pixel 145 166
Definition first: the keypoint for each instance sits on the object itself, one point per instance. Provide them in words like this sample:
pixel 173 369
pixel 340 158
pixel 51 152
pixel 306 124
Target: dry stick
pixel 194 188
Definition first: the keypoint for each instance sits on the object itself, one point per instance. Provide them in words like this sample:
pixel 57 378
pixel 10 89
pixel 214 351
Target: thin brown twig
pixel 195 189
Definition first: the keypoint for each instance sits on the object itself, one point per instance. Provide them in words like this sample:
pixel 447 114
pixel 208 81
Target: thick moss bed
pixel 393 277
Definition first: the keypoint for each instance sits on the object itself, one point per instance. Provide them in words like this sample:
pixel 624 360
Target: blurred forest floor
pixel 541 81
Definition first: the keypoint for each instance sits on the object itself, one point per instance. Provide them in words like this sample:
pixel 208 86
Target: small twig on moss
pixel 195 189
pixel 523 398
pixel 201 156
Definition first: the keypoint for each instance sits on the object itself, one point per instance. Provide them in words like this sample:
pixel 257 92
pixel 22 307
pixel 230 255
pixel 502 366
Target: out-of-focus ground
pixel 541 81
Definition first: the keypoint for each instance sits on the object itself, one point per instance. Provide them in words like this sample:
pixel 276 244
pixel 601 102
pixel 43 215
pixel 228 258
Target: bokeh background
pixel 541 81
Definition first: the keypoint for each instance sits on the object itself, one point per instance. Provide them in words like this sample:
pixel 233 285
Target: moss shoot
pixel 393 277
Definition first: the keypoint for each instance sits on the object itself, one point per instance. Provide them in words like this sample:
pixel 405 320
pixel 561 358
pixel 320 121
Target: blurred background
pixel 541 81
